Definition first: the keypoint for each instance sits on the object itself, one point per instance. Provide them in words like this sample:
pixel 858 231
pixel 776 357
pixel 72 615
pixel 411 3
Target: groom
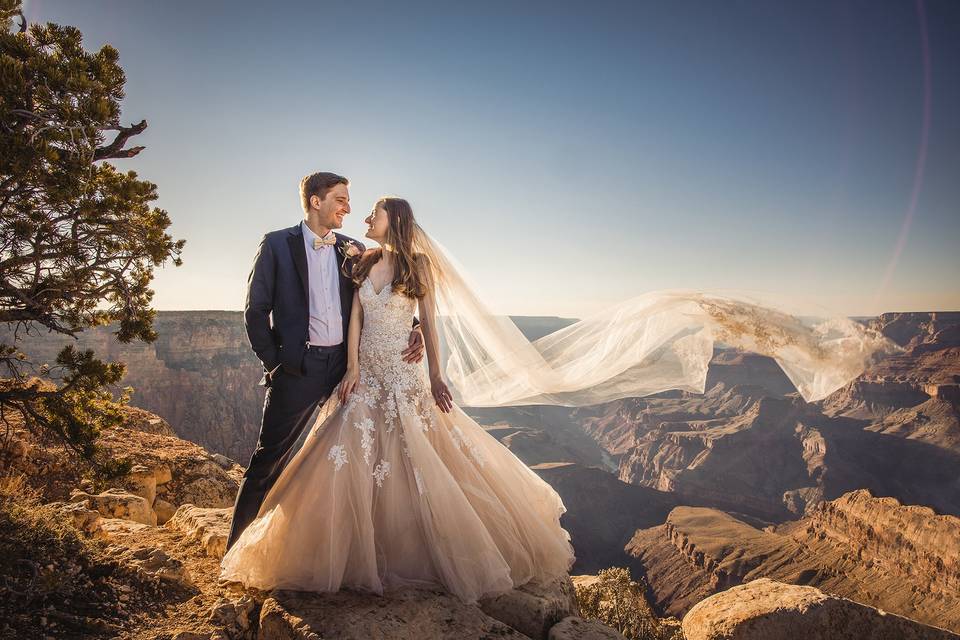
pixel 297 312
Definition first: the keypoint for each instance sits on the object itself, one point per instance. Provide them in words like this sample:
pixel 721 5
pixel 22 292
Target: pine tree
pixel 79 239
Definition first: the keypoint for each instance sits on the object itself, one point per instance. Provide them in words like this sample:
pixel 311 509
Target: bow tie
pixel 319 243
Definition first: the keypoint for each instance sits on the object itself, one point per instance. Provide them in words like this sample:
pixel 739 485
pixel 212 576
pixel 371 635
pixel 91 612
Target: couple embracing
pixel 394 485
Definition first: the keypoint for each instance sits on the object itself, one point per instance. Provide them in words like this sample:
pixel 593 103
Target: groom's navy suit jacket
pixel 277 312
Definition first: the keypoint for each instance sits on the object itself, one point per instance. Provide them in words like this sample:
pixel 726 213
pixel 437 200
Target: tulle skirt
pixel 388 491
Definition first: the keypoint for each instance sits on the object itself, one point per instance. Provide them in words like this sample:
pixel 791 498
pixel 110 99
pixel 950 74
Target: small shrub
pixel 617 601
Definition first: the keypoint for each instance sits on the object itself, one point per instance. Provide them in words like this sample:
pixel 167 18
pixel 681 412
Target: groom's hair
pixel 317 184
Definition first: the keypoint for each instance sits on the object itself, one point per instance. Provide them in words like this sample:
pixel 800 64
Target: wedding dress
pixel 389 491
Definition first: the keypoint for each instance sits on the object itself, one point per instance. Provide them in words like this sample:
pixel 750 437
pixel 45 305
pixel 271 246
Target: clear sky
pixel 570 155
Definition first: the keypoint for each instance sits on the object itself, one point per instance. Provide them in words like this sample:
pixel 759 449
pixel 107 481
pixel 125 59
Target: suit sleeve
pixel 259 304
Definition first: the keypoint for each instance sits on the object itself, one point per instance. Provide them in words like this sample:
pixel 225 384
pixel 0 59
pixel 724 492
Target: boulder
pixel 764 609
pixel 236 618
pixel 222 460
pixel 142 481
pixel 163 474
pixel 117 503
pixel 534 607
pixel 207 527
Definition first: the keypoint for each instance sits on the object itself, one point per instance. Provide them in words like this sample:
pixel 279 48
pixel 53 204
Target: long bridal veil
pixel 654 342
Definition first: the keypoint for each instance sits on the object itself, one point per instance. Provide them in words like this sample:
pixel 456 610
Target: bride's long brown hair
pixel 407 278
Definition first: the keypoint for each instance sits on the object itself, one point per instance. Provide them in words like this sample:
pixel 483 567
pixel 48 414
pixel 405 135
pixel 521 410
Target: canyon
pixel 857 495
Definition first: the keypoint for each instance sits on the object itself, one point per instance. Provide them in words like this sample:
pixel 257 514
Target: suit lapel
pixel 299 253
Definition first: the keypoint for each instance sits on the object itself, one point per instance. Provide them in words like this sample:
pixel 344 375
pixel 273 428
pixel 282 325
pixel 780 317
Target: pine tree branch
pixel 115 149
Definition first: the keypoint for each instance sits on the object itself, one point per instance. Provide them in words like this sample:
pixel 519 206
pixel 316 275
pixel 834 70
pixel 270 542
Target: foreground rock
pixel 530 611
pixel 574 628
pixel 207 527
pixel 406 614
pixel 117 503
pixel 765 609
pixel 534 608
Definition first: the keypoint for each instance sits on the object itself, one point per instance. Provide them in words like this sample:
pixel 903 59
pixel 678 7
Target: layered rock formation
pixel 199 375
pixel 748 448
pixel 899 558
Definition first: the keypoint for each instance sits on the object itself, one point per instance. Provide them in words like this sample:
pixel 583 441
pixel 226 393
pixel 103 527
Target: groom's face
pixel 332 209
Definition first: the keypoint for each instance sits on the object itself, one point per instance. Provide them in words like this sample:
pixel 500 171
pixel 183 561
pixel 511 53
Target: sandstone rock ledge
pixel 765 609
pixel 532 611
pixel 405 614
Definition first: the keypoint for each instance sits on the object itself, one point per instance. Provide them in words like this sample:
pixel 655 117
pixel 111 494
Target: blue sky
pixel 570 155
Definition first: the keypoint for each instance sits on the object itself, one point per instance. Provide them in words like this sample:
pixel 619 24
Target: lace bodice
pixel 387 383
pixel 387 320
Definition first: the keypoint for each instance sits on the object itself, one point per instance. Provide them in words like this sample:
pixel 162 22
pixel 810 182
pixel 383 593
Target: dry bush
pixel 617 601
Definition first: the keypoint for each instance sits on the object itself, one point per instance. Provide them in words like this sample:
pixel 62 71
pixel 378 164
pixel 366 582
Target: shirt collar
pixel 309 235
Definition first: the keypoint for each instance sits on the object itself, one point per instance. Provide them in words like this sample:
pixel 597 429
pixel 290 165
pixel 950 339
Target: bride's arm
pixel 427 308
pixel 352 375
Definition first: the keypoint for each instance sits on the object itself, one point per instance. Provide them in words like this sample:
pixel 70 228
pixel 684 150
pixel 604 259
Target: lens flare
pixel 921 157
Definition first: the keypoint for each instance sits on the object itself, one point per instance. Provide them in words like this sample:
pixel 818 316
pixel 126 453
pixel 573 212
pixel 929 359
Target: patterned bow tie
pixel 319 243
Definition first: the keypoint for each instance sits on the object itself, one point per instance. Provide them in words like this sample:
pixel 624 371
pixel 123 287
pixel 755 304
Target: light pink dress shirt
pixel 326 323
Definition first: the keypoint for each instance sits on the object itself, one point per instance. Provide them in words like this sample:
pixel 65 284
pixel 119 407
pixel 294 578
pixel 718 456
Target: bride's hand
pixel 349 383
pixel 441 393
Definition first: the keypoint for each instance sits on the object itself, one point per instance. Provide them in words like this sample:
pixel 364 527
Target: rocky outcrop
pixel 765 609
pixel 531 611
pixel 207 527
pixel 534 608
pixel 912 541
pixel 170 587
pixel 875 551
pixel 700 551
pixel 407 614
pixel 200 375
pixel 116 503
pixel 166 472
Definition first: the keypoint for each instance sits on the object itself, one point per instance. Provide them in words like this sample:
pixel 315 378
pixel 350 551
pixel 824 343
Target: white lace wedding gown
pixel 389 491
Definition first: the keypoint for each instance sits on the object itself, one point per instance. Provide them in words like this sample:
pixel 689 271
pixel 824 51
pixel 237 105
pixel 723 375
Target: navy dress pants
pixel 290 402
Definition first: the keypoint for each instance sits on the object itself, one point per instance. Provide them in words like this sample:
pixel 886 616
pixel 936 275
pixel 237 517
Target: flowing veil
pixel 654 342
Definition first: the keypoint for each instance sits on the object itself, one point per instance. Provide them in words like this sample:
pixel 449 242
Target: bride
pixel 395 485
